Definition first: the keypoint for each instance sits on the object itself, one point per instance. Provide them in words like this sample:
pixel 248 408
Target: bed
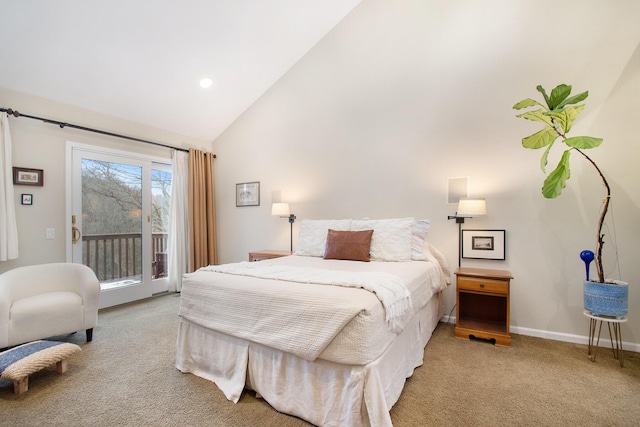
pixel 322 335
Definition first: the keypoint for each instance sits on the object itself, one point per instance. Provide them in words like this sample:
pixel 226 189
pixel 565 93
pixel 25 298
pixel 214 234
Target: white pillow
pixel 391 240
pixel 419 230
pixel 312 238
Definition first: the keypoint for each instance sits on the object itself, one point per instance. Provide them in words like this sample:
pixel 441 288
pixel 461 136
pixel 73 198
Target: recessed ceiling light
pixel 205 83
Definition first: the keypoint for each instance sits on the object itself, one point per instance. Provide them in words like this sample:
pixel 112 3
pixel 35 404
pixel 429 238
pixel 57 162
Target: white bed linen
pixel 307 320
pixel 322 392
pixel 339 388
pixel 390 289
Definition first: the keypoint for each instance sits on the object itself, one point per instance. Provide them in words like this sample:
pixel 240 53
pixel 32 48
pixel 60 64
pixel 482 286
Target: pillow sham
pixel 419 230
pixel 391 240
pixel 348 245
pixel 312 237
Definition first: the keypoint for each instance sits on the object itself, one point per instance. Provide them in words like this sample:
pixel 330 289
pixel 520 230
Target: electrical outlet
pixel 51 234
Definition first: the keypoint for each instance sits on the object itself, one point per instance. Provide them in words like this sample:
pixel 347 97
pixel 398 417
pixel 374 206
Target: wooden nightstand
pixel 482 304
pixel 267 254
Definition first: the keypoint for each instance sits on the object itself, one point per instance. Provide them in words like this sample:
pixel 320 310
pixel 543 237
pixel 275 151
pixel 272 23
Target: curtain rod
pixel 102 132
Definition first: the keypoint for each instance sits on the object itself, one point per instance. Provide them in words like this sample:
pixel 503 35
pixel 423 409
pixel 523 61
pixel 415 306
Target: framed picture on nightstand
pixel 483 244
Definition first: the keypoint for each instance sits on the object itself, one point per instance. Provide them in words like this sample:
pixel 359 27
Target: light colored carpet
pixel 126 377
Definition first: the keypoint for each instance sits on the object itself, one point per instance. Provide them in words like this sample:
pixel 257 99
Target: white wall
pixel 42 146
pixel 402 95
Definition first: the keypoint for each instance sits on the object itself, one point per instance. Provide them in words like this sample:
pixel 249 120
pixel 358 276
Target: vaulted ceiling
pixel 143 61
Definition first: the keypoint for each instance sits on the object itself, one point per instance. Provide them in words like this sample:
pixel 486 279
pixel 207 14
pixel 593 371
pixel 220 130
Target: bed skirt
pixel 323 392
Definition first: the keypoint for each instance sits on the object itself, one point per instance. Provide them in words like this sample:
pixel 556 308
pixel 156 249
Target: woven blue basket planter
pixel 606 299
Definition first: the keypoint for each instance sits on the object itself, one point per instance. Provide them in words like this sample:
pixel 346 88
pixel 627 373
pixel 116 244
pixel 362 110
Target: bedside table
pixel 267 254
pixel 482 304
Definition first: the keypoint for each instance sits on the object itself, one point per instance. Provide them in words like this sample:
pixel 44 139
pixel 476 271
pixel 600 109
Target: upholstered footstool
pixel 19 362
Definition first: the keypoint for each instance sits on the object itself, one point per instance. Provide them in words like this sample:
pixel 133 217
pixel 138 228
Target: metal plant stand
pixel 613 323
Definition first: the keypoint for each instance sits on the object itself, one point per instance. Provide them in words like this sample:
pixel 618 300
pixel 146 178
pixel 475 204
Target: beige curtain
pixel 202 216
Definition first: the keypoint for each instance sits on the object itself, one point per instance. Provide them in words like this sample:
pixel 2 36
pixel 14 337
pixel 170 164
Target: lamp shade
pixel 280 209
pixel 469 208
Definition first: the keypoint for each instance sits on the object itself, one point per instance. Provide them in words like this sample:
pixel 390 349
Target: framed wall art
pixel 27 199
pixel 483 244
pixel 248 194
pixel 26 176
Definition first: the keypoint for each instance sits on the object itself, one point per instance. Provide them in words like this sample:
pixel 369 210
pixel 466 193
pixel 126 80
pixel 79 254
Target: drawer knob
pixel 482 285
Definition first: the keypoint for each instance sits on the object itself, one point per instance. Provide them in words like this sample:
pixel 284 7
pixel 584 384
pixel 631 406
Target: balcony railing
pixel 119 256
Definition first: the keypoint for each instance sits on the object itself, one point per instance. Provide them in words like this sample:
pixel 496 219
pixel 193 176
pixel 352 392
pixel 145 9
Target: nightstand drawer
pixel 483 285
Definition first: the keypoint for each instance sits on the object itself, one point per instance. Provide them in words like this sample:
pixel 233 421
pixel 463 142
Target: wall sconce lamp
pixel 467 208
pixel 282 210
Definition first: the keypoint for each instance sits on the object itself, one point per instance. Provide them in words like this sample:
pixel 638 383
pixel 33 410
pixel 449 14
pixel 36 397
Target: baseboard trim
pixel 557 336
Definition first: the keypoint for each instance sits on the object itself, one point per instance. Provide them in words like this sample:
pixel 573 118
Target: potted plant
pixel 557 114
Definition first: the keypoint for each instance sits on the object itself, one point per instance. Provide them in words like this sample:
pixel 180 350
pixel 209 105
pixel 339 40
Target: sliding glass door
pixel 119 204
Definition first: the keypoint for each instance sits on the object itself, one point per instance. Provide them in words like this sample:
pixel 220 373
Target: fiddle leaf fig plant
pixel 557 115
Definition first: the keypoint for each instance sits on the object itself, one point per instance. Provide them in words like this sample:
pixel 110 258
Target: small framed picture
pixel 27 199
pixel 26 176
pixel 248 194
pixel 483 244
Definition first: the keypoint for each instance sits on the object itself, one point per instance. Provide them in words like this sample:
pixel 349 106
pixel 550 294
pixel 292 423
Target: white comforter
pixel 295 315
pixel 390 289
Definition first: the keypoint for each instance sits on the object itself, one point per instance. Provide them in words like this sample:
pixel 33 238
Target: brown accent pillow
pixel 348 245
